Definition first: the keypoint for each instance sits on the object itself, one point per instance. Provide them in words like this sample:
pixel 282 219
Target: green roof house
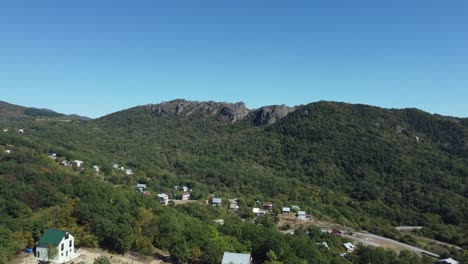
pixel 59 244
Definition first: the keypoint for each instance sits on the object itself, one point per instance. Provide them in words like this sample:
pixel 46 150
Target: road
pixel 379 241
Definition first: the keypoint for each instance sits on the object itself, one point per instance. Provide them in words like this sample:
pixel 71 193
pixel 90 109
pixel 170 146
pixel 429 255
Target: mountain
pixel 8 110
pixel 361 166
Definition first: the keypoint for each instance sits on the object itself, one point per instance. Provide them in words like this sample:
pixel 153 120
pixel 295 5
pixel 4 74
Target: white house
pixel 448 261
pixel 184 188
pixel 185 196
pixel 61 240
pixel 349 247
pixel 163 198
pixel 256 210
pixel 286 210
pixel 236 258
pixel 128 172
pixel 21 130
pixel 66 163
pixel 301 215
pixel 78 163
pixel 52 155
pixel 115 166
pixel 96 168
pixel 141 186
pixel 7 151
pixel 216 202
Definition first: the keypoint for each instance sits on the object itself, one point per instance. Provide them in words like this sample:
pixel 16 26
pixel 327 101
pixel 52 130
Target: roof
pixel 348 245
pixel 301 212
pixel 235 258
pixel 52 237
pixel 256 210
pixel 267 204
pixel 185 193
pixel 217 200
pixel 449 261
pixel 286 209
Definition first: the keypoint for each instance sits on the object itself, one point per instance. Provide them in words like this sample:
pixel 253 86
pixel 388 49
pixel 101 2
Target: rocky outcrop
pixel 222 111
pixel 270 114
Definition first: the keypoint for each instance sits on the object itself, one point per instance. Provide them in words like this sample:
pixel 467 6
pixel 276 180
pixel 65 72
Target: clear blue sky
pixel 97 57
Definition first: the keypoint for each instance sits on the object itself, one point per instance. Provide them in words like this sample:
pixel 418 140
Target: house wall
pixel 67 251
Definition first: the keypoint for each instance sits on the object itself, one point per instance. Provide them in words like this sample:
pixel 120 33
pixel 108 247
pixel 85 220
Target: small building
pixel 5 130
pixel 268 206
pixel 335 232
pixel 324 244
pixel 61 240
pixel 295 207
pixel 78 163
pixel 185 188
pixel 128 172
pixel 256 210
pixel 448 261
pixel 233 206
pixel 349 247
pixel 141 187
pixel 163 198
pixel 217 202
pixel 301 215
pixel 7 151
pixel 286 210
pixel 21 130
pixel 66 163
pixel 219 221
pixel 115 166
pixel 185 196
pixel 96 168
pixel 52 155
pixel 236 258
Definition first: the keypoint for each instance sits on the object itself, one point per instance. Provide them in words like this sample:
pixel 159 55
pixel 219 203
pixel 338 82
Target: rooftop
pixel 52 237
pixel 235 258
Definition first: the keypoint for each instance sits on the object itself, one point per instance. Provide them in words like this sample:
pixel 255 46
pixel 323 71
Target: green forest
pixel 364 167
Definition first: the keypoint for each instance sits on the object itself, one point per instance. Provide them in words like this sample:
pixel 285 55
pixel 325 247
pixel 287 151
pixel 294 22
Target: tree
pixel 51 252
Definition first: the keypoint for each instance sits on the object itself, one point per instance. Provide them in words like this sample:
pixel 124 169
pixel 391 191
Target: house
pixel 256 210
pixel 141 186
pixel 185 188
pixel 301 215
pixel 185 196
pixel 233 204
pixel 115 166
pixel 96 168
pixel 325 244
pixel 5 130
pixel 448 261
pixel 295 207
pixel 335 232
pixel 52 155
pixel 61 240
pixel 128 172
pixel 78 163
pixel 7 151
pixel 286 210
pixel 66 163
pixel 268 206
pixel 236 258
pixel 349 247
pixel 176 188
pixel 219 221
pixel 21 130
pixel 163 198
pixel 216 201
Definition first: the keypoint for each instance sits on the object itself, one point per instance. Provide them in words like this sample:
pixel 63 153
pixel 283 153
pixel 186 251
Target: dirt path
pixel 379 241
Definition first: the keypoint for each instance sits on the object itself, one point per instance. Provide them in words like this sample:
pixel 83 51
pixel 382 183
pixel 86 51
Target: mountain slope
pixel 12 111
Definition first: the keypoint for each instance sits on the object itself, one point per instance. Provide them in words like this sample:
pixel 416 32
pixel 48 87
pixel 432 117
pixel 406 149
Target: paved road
pixel 375 240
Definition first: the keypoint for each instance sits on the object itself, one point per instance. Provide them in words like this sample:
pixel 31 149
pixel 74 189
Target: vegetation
pixel 361 166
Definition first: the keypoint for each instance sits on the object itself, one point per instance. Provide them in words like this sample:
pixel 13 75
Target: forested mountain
pixel 362 166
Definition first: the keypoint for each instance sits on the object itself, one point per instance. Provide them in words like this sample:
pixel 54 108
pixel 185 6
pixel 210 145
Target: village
pixel 63 249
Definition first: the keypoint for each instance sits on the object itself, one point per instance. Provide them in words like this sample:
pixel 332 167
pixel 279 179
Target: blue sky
pixel 97 57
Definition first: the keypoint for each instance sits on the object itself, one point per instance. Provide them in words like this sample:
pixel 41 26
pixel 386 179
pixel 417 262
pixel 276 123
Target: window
pixel 61 249
pixel 38 254
pixel 70 243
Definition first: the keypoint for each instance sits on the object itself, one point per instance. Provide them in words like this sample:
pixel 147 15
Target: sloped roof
pixel 52 237
pixel 235 258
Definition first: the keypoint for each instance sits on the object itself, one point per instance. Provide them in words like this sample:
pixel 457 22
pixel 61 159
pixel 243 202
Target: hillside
pixel 358 165
pixel 12 111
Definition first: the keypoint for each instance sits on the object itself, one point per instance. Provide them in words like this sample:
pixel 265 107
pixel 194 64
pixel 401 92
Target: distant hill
pixel 8 110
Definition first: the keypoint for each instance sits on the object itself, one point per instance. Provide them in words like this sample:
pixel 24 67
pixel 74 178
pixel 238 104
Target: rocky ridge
pixel 222 111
